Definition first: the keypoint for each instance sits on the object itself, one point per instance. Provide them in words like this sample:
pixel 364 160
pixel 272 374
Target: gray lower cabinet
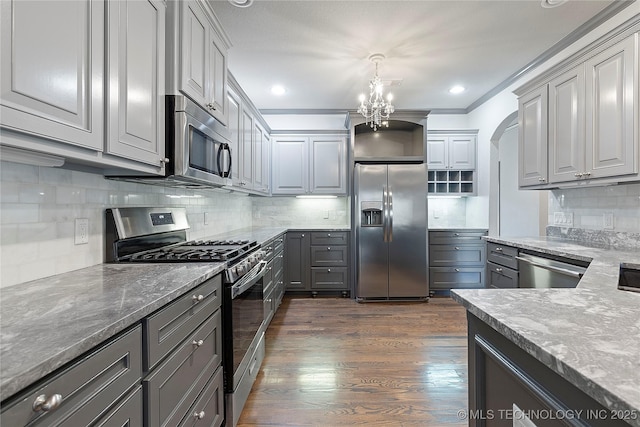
pixel 92 390
pixel 273 279
pixel 503 377
pixel 184 358
pixel 126 414
pixel 502 266
pixel 457 259
pixel 317 261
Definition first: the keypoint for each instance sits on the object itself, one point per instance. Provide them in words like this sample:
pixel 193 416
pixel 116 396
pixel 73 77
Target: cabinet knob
pixel 587 174
pixel 328 234
pixel 197 298
pixel 198 343
pixel 578 175
pixel 328 249
pixel 498 249
pixel 210 106
pixel 457 248
pixel 328 270
pixel 457 270
pixel 456 234
pixel 541 179
pixel 498 270
pixel 165 161
pixel 302 235
pixel 47 404
pixel 199 415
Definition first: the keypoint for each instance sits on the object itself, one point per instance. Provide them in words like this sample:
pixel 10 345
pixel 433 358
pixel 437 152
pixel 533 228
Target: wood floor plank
pixel 335 362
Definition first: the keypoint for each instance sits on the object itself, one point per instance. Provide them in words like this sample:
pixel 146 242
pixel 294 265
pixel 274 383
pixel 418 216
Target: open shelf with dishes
pixel 451 182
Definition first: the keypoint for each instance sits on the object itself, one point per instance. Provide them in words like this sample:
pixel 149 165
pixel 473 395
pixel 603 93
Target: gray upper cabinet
pixel 586 116
pixel 91 90
pixel 532 138
pixel 612 85
pixel 566 126
pixel 290 165
pixel 309 165
pixel 200 53
pixel 260 155
pixel 53 70
pixel 136 82
pixel 456 152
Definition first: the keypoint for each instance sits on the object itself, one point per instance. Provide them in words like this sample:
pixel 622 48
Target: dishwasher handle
pixel 566 272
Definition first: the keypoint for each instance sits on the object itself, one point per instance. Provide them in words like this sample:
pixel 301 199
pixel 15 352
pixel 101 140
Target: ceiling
pixel 318 49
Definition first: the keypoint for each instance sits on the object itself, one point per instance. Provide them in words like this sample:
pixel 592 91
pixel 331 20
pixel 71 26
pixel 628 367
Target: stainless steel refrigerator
pixel 390 220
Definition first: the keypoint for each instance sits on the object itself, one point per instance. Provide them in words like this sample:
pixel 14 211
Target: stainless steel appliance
pixel 159 235
pixel 390 220
pixel 197 148
pixel 536 271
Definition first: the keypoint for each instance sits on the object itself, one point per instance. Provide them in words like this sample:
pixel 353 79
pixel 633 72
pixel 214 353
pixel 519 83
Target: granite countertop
pixel 48 322
pixel 589 335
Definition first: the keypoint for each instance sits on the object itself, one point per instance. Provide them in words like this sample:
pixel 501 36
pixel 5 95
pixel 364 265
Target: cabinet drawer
pixel 501 277
pixel 457 255
pixel 455 278
pixel 88 387
pixel 172 324
pixel 329 278
pixel 172 387
pixel 502 255
pixel 450 237
pixel 128 413
pixel 328 256
pixel 329 238
pixel 278 265
pixel 208 411
pixel 278 245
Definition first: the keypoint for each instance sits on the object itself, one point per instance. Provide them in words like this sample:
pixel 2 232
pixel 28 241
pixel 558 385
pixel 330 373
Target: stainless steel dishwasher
pixel 538 271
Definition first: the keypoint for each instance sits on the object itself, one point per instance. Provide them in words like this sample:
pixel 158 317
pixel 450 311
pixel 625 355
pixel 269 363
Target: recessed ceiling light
pixel 457 89
pixel 278 90
pixel 548 4
pixel 241 3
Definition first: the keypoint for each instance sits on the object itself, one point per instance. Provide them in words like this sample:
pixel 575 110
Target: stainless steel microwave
pixel 197 150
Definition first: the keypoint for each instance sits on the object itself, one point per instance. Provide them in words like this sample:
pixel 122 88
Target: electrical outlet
pixel 563 219
pixel 607 220
pixel 82 231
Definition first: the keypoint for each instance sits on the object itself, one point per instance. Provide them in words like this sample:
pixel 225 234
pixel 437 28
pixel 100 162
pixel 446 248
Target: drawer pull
pixel 198 343
pixel 328 234
pixel 456 234
pixel 457 248
pixel 197 298
pixel 47 404
pixel 328 248
pixel 498 270
pixel 499 249
pixel 328 270
pixel 199 415
pixel 457 270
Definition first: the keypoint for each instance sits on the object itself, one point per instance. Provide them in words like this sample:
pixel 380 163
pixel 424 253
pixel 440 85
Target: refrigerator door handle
pixel 385 214
pixel 390 209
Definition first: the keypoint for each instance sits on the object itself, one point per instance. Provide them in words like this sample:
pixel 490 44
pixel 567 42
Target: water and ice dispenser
pixel 371 214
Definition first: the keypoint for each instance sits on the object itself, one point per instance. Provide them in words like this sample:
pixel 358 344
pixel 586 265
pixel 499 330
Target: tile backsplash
pixel 447 212
pixel 39 206
pixel 606 216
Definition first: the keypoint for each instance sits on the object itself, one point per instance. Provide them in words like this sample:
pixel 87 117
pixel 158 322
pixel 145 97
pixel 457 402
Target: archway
pixel 512 212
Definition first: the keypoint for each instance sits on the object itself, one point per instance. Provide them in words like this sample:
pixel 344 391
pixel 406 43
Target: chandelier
pixel 376 110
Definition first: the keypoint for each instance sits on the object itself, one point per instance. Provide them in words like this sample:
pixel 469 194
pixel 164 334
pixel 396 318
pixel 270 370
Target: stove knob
pixel 239 269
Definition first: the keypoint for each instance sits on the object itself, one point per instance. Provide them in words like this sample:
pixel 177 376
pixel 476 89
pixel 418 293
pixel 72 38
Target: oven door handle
pixel 249 279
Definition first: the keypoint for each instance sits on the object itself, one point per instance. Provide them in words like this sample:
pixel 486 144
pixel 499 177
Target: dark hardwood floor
pixel 334 362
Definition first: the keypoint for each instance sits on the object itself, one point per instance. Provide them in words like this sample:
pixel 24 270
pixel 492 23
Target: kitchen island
pixel 588 336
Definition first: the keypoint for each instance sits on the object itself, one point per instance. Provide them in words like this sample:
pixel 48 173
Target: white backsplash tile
pixel 447 212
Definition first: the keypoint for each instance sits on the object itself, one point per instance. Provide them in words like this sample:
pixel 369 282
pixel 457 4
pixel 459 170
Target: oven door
pixel 243 315
pixel 201 151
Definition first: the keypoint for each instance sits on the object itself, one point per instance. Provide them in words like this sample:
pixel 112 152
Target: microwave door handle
pixel 228 171
pixel 218 160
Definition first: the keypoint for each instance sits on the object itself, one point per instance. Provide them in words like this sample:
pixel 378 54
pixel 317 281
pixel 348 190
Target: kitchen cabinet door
pixel 290 165
pixel 462 152
pixel 566 126
pixel 135 87
pixel 258 158
pixel 297 261
pixel 612 79
pixel 437 153
pixel 532 137
pixel 266 162
pixel 246 169
pixel 203 60
pixel 235 125
pixel 52 70
pixel 328 165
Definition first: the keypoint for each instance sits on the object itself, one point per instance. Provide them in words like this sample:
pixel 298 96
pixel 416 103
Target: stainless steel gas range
pixel 147 235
